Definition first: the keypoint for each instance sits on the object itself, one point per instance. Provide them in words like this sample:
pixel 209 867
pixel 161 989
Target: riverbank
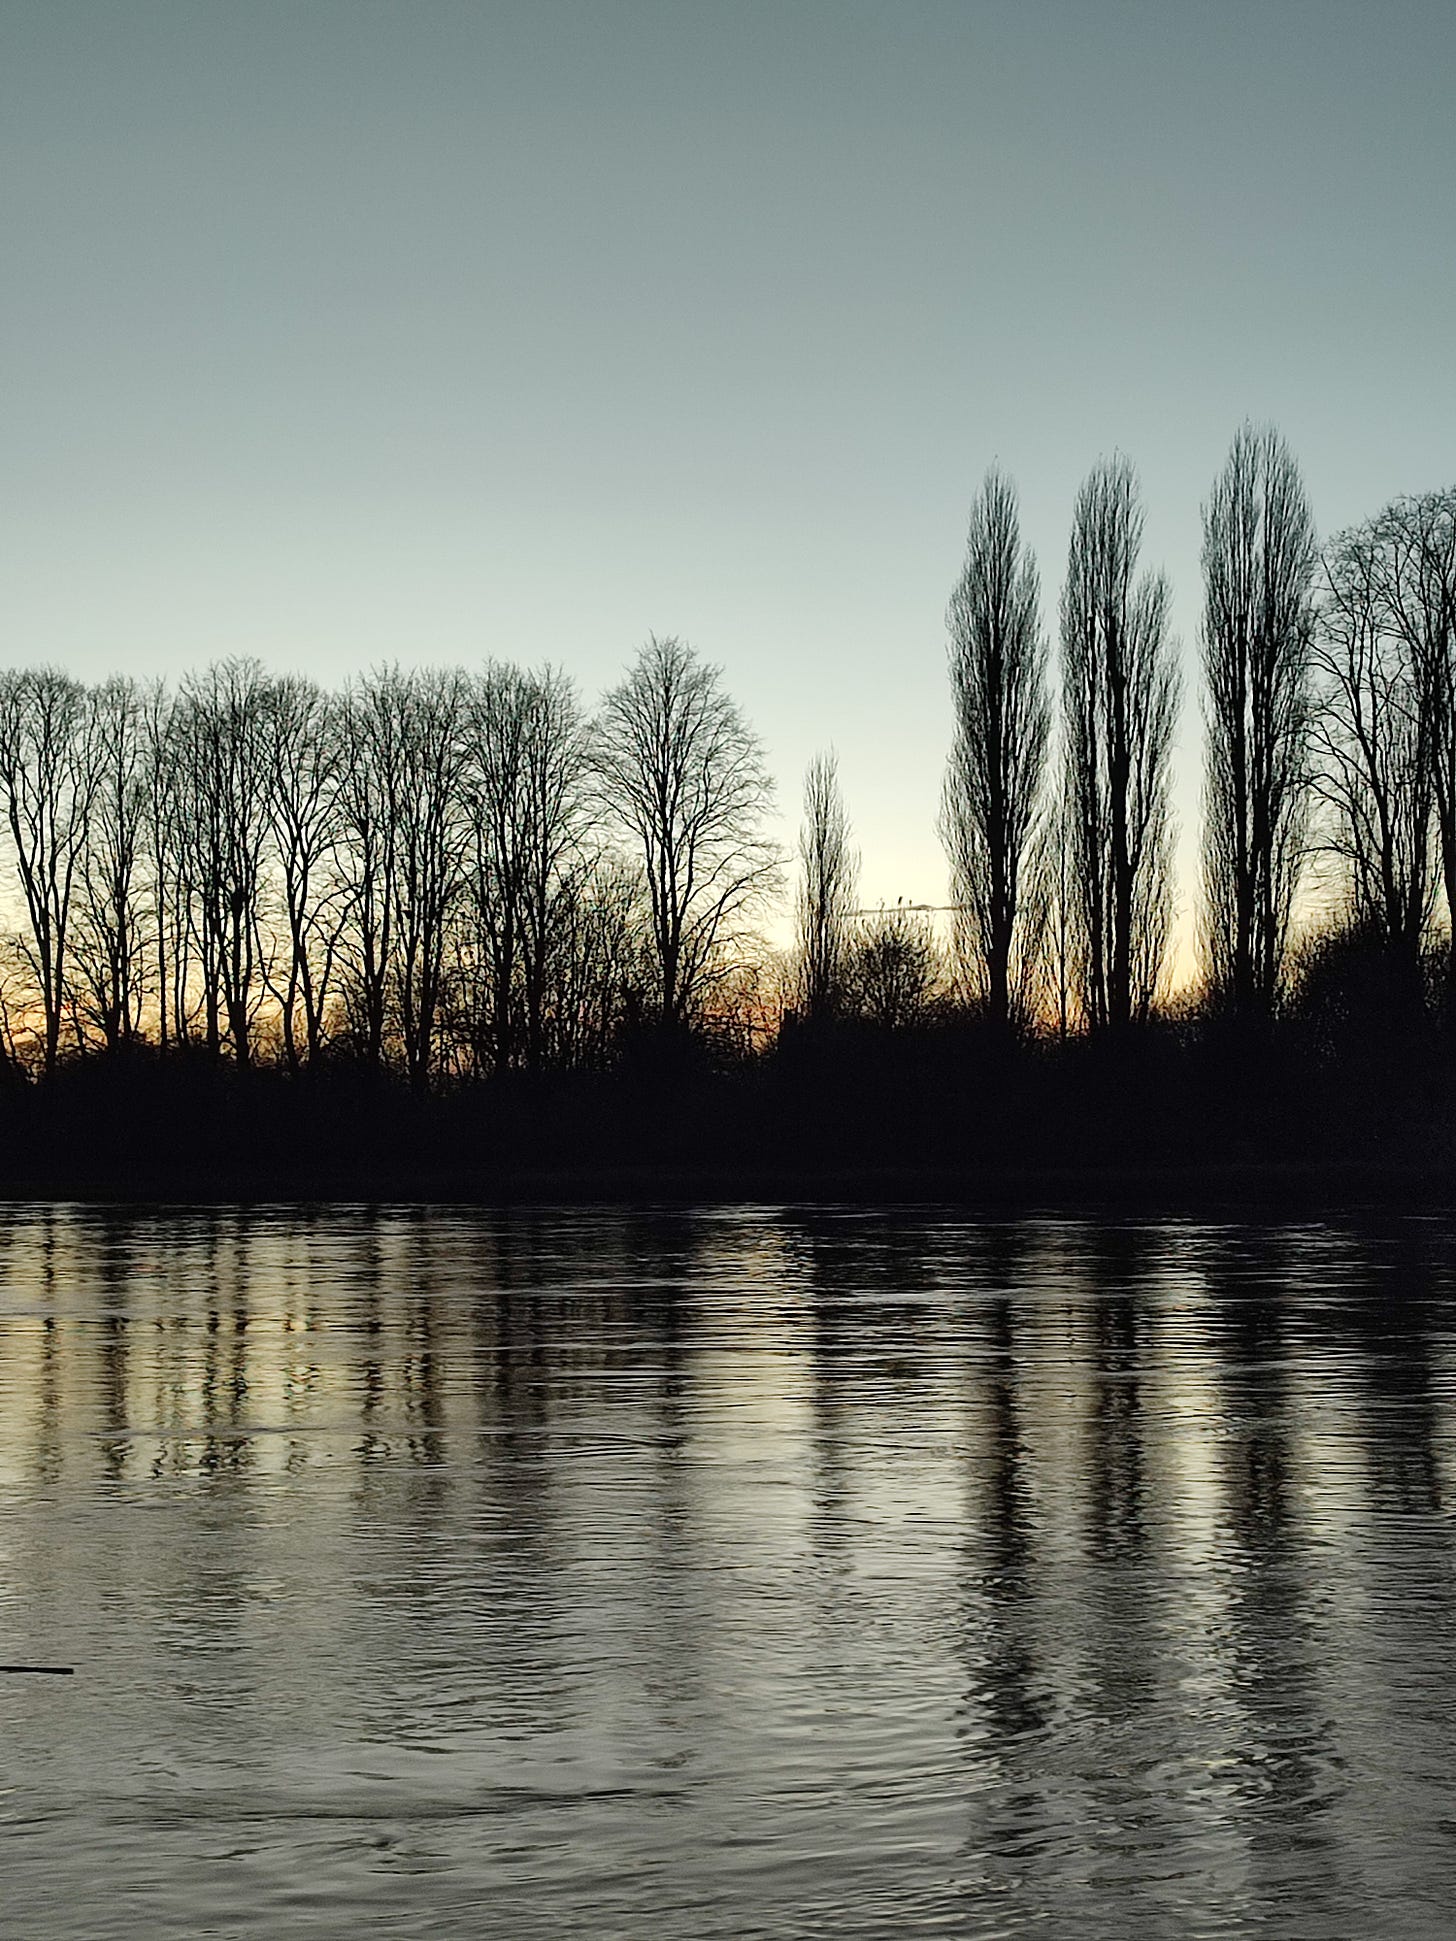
pixel 1159 1128
pixel 1210 1190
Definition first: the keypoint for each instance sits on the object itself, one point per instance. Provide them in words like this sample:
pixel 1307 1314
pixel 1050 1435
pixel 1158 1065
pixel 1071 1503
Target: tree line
pixel 446 875
pixel 432 872
pixel 1329 714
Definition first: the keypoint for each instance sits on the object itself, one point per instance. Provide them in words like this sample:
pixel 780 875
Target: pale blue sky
pixel 340 332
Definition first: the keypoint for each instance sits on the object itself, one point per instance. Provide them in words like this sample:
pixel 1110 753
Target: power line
pixel 928 909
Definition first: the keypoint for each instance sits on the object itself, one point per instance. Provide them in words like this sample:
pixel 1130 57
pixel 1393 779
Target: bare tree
pixel 894 968
pixel 497 811
pixel 108 956
pixel 682 773
pixel 1259 558
pixel 598 968
pixel 1120 698
pixel 829 868
pixel 305 776
pixel 1414 557
pixel 402 828
pixel 993 780
pixel 172 924
pixel 527 762
pixel 1375 738
pixel 220 743
pixel 429 853
pixel 557 772
pixel 1057 901
pixel 370 799
pixel 48 785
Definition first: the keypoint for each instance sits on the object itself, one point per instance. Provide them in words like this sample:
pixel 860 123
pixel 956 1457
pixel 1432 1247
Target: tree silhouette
pixel 429 853
pixel 49 775
pixel 526 772
pixel 1414 557
pixel 305 762
pixel 596 970
pixel 1259 558
pixel 828 866
pixel 993 780
pixel 371 801
pixel 220 744
pixel 108 958
pixel 894 969
pixel 682 773
pixel 1119 697
pixel 1374 741
pixel 453 874
pixel 169 885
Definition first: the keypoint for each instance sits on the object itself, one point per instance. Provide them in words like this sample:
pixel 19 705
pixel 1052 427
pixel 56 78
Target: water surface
pixel 729 1573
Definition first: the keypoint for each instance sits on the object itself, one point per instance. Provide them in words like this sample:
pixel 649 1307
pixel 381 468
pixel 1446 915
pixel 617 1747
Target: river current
pixel 730 1572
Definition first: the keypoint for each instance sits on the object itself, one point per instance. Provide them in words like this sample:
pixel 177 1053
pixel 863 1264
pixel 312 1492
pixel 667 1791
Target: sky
pixel 343 333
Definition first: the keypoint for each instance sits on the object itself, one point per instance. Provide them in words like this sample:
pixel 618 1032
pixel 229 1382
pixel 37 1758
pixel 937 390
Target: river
pixel 730 1572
